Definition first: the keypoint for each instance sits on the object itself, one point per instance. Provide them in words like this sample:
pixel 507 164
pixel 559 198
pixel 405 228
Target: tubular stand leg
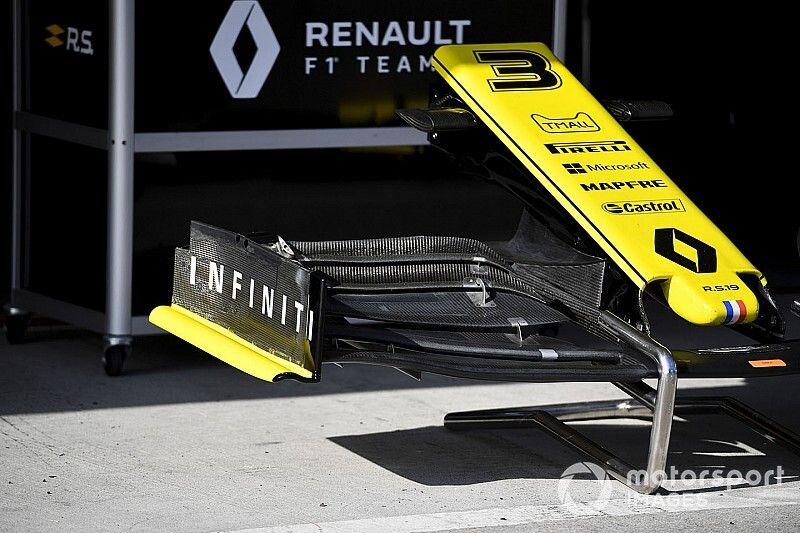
pixel 120 173
pixel 16 171
pixel 552 418
pixel 661 404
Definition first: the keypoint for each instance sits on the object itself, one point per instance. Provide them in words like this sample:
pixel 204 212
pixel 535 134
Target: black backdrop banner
pixel 66 57
pixel 346 63
pixel 262 64
pixel 335 63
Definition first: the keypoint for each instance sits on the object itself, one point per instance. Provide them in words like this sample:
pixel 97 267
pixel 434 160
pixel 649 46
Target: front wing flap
pixel 246 305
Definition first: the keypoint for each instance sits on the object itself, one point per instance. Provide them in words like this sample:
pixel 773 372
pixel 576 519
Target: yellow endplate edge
pixel 223 344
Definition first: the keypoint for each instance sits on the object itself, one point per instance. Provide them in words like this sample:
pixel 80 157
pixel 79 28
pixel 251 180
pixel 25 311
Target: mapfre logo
pixel 245 83
pixel 76 40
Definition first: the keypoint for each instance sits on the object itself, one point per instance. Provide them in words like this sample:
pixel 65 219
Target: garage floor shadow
pixel 436 456
pixel 60 370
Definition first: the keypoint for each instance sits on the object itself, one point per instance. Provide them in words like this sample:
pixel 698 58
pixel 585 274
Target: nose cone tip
pixel 724 307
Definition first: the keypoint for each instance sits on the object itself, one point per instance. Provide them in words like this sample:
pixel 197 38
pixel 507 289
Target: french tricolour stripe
pixel 736 312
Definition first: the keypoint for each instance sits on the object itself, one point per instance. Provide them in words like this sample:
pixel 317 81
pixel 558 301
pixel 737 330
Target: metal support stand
pixel 119 266
pixel 16 141
pixel 647 403
pixel 560 29
pixel 16 320
pixel 120 140
pixel 758 422
pixel 586 44
pixel 656 403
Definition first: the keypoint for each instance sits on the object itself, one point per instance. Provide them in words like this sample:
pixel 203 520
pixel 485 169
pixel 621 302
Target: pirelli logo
pixel 588 147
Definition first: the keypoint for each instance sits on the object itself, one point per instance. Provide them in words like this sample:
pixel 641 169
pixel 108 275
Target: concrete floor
pixel 184 443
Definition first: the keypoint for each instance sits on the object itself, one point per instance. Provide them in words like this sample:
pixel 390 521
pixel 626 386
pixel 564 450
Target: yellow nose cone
pixel 711 304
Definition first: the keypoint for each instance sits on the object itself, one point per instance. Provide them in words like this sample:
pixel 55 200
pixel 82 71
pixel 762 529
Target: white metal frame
pixel 122 143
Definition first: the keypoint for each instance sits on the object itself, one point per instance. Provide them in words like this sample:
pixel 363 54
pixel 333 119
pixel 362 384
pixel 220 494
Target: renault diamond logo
pixel 248 83
pixel 55 30
pixel 702 259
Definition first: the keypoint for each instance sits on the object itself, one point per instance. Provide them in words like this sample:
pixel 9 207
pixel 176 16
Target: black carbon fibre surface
pixel 630 369
pixel 534 263
pixel 360 275
pixel 399 249
pixel 433 120
pixel 626 110
pixel 585 281
pixel 475 344
pixel 432 276
pixel 270 307
pixel 446 309
pixel 427 282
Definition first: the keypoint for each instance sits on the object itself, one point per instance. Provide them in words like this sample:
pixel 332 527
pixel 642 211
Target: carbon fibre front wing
pixel 455 306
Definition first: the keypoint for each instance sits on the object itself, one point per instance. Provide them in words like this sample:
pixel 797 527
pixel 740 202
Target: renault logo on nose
pixel 248 82
pixel 705 260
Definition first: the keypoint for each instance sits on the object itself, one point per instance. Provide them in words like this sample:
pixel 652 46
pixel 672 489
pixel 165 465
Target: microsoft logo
pixel 574 168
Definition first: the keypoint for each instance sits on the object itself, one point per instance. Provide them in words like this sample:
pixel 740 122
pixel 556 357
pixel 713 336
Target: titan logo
pixel 78 41
pixel 705 259
pixel 589 147
pixel 577 168
pixel 644 207
pixel 580 123
pixel 245 83
pixel 518 70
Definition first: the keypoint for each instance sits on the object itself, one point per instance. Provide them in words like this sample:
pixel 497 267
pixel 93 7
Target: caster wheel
pixel 16 325
pixel 114 358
